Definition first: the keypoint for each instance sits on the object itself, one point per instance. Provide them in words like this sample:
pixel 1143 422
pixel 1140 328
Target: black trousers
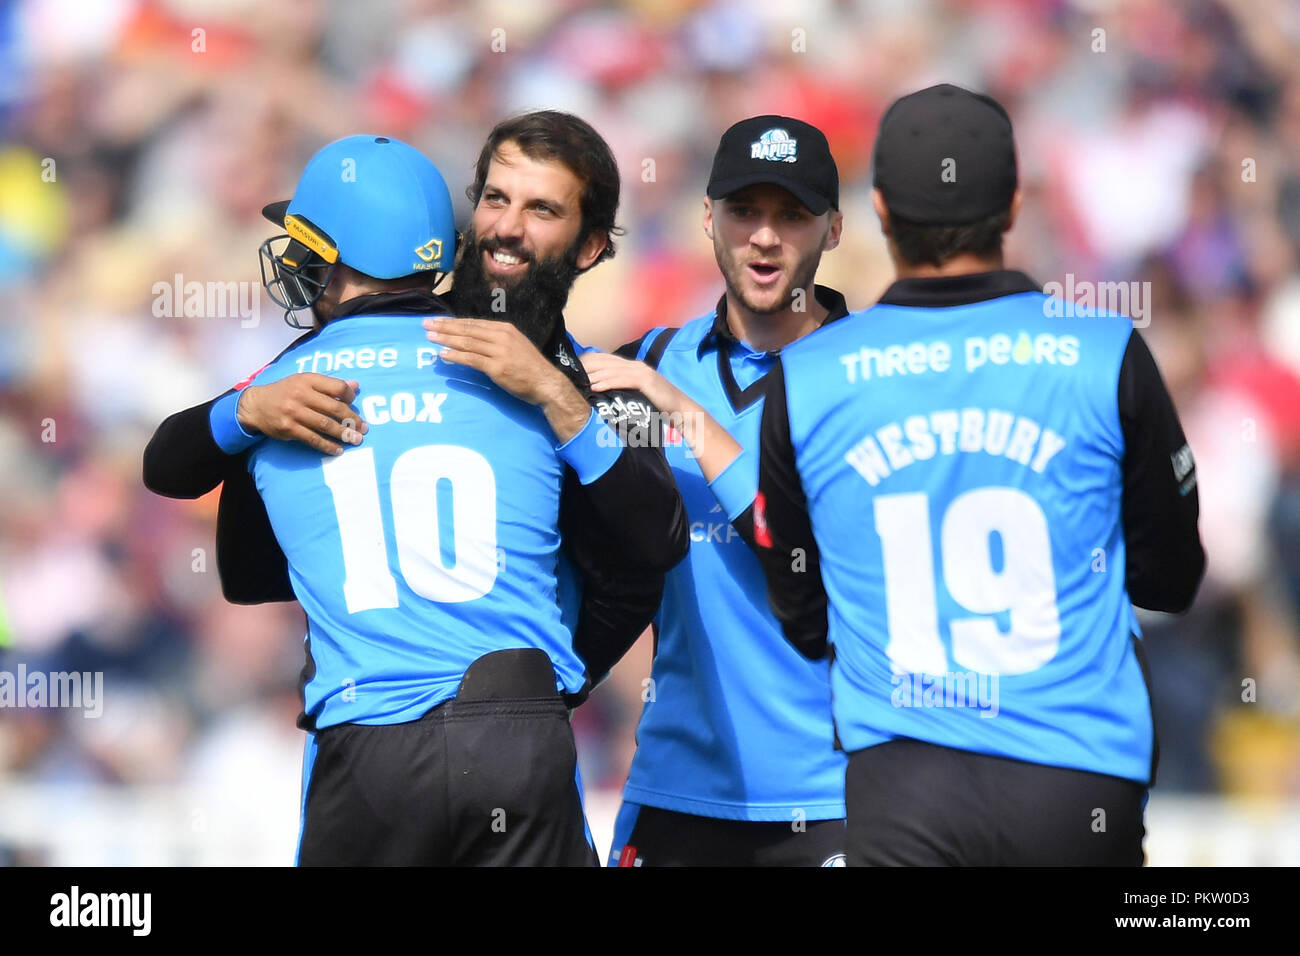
pixel 668 838
pixel 916 804
pixel 485 779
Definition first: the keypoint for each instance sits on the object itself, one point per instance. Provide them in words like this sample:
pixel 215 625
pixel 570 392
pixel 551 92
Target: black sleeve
pixel 623 532
pixel 618 599
pixel 635 505
pixel 252 567
pixel 779 529
pixel 1160 503
pixel 183 460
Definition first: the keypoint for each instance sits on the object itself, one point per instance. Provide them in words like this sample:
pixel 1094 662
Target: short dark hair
pixel 415 280
pixel 553 135
pixel 935 244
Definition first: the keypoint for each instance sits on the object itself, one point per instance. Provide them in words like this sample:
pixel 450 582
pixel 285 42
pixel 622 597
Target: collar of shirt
pixel 827 297
pixel 941 292
pixel 411 302
pixel 560 348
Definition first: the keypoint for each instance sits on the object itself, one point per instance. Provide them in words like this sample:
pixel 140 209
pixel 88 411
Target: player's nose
pixel 765 236
pixel 509 225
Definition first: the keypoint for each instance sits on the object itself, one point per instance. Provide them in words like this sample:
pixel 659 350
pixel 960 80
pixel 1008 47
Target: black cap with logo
pixel 945 156
pixel 779 150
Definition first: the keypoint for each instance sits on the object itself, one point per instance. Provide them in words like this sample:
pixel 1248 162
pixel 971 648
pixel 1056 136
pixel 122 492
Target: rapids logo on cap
pixel 775 145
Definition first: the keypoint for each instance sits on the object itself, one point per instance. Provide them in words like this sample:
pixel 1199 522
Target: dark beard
pixel 534 305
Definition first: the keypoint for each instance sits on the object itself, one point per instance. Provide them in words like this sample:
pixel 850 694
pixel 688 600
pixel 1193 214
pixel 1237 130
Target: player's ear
pixel 878 203
pixel 833 234
pixel 591 249
pixel 708 217
pixel 1014 213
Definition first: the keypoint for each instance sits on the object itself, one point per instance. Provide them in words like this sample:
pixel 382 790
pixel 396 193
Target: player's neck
pixel 767 333
pixel 960 265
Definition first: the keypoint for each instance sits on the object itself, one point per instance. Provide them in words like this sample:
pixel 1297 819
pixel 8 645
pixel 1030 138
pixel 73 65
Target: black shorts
pixel 916 804
pixel 486 779
pixel 651 836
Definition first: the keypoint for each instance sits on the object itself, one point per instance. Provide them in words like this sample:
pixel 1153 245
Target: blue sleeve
pixel 223 420
pixel 736 486
pixel 592 451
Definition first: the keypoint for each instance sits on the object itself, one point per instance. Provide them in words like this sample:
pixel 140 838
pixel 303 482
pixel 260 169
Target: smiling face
pixel 523 251
pixel 768 245
pixel 530 211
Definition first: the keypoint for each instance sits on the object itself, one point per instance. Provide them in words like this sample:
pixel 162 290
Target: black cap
pixel 779 150
pixel 945 155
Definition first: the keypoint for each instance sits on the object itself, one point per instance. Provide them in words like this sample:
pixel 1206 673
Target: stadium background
pixel 1163 149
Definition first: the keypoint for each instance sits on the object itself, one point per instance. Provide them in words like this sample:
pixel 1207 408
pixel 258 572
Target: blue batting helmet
pixel 375 204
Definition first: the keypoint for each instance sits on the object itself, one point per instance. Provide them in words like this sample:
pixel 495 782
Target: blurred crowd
pixel 1159 142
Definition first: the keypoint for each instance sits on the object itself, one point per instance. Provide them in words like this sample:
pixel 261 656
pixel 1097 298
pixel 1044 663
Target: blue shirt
pixel 962 473
pixel 432 543
pixel 739 724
